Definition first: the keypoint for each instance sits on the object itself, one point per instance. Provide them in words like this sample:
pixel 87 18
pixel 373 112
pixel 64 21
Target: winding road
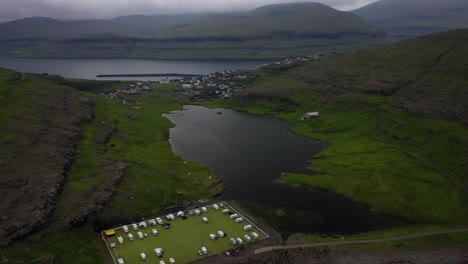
pixel 366 241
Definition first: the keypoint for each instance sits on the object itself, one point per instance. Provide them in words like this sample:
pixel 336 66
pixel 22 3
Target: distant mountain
pixel 407 18
pixel 282 28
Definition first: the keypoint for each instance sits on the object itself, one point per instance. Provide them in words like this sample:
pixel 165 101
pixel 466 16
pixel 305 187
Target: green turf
pixel 184 239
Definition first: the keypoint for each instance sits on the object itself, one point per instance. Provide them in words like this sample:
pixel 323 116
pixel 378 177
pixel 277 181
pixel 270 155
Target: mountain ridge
pixel 285 30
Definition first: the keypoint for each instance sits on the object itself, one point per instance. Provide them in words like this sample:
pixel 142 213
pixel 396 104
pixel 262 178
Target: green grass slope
pixel 41 122
pixel 124 168
pixel 425 75
pixel 267 32
pixel 407 18
pixel 394 119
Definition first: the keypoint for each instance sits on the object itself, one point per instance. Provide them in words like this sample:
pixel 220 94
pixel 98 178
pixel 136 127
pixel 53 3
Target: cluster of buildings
pixel 316 56
pixel 129 89
pixel 218 85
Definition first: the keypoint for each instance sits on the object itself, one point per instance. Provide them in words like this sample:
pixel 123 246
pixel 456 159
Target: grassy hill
pixel 422 76
pixel 74 162
pixel 41 122
pixel 407 18
pixel 266 32
pixel 395 120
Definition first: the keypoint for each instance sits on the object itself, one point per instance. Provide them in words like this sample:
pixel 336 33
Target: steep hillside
pixel 407 18
pixel 41 124
pixel 73 163
pixel 267 32
pixel 426 75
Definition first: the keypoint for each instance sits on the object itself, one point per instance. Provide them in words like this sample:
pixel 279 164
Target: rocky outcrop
pixel 37 148
pixel 97 199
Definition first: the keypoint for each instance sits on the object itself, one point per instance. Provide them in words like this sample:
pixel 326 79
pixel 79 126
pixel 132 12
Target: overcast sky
pixel 86 9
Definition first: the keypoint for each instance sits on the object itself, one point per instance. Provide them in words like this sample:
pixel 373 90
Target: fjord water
pixel 89 68
pixel 248 153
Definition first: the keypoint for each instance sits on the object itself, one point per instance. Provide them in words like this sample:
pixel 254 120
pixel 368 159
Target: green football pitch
pixel 183 240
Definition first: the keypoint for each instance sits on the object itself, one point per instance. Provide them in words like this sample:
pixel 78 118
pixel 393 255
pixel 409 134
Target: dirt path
pixel 367 241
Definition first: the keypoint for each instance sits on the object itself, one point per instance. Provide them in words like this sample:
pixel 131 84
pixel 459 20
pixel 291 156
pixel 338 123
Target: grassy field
pixel 184 239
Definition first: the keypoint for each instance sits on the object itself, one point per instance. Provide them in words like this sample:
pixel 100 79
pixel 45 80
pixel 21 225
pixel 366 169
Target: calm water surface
pixel 89 68
pixel 248 153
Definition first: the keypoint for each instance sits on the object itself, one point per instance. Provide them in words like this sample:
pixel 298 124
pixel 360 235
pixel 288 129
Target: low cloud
pixel 88 9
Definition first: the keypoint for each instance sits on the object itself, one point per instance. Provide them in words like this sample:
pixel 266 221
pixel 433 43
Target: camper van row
pixel 183 236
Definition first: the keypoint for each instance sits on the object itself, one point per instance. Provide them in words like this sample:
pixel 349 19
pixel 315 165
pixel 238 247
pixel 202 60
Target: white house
pixel 310 115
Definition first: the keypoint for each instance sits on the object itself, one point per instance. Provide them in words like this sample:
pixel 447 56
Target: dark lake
pixel 89 68
pixel 248 153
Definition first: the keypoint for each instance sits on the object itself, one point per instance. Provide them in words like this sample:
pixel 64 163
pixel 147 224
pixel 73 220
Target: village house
pixel 310 115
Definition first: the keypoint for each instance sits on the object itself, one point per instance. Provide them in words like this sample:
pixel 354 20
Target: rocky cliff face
pixel 41 125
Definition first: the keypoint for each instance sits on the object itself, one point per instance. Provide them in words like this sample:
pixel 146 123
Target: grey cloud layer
pixel 86 9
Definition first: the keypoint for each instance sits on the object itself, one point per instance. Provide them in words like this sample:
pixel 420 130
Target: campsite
pixel 183 236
